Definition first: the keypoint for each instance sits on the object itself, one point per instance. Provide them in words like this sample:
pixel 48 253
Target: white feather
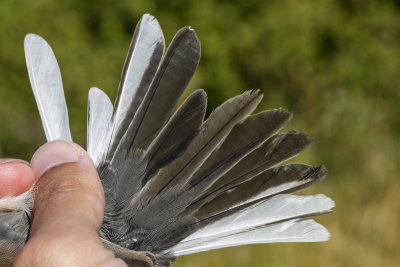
pixel 47 87
pixel 278 208
pixel 22 202
pixel 99 115
pixel 295 230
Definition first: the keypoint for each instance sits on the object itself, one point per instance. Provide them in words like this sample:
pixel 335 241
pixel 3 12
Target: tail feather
pixel 249 195
pixel 172 179
pixel 98 124
pixel 275 209
pixel 296 230
pixel 283 179
pixel 177 134
pixel 246 136
pixel 249 133
pixel 141 64
pixel 275 150
pixel 47 87
pixel 266 214
pixel 172 77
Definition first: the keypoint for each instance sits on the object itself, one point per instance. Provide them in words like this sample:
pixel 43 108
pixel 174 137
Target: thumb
pixel 68 187
pixel 68 210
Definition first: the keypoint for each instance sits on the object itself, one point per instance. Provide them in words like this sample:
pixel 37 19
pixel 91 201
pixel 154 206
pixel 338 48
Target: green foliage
pixel 335 64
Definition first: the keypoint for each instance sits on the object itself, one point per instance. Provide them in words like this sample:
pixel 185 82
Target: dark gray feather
pixel 177 133
pixel 275 150
pixel 141 64
pixel 154 212
pixel 283 179
pixel 172 77
pixel 246 136
pixel 174 176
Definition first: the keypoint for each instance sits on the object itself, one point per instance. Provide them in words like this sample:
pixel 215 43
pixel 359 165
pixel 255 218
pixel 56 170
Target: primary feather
pixel 175 184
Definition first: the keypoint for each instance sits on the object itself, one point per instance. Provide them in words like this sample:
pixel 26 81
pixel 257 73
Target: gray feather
pixel 120 186
pixel 275 150
pixel 283 179
pixel 141 64
pixel 246 136
pixel 251 129
pixel 47 87
pixel 14 227
pixel 177 134
pixel 172 77
pixel 176 175
pixel 154 212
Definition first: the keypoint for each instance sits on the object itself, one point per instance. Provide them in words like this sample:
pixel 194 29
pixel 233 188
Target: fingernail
pixel 3 161
pixel 55 153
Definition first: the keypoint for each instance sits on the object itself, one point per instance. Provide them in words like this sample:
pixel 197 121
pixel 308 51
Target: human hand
pixel 68 210
pixel 16 177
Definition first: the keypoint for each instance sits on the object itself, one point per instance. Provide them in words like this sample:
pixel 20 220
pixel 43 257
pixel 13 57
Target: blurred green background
pixel 334 63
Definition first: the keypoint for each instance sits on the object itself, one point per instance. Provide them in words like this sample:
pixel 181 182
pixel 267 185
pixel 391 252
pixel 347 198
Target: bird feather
pixel 172 77
pixel 275 150
pixel 47 87
pixel 141 64
pixel 175 175
pixel 246 136
pixel 177 133
pixel 275 209
pixel 98 123
pixel 282 179
pixel 296 230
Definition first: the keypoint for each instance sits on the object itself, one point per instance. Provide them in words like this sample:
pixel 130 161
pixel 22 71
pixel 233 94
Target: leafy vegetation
pixel 334 63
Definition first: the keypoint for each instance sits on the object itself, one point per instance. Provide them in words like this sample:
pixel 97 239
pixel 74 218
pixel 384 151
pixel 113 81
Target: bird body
pixel 176 183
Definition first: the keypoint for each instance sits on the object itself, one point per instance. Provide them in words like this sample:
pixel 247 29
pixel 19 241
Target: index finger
pixel 16 177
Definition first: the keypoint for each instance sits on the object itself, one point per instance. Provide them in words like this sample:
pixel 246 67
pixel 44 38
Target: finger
pixel 16 177
pixel 68 210
pixel 68 186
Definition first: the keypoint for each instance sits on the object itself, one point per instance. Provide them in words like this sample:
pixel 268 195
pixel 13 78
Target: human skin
pixel 68 209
